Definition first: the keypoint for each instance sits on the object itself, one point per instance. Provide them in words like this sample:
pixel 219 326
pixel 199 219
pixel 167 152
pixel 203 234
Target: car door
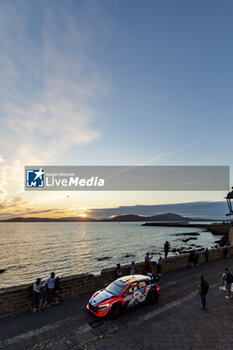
pixel 129 295
pixel 142 291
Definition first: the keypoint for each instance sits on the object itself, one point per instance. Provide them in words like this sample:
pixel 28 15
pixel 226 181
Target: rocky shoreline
pixel 215 229
pixel 192 236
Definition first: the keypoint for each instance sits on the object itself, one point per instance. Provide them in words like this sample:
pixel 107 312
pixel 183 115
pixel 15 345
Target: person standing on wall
pixel 166 248
pixel 148 263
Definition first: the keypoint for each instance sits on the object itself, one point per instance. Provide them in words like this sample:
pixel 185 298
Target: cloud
pixel 49 86
pixel 18 206
pixel 178 150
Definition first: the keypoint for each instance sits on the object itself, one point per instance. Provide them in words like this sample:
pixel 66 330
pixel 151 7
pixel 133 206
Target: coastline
pixel 129 240
pixel 215 228
pixel 15 299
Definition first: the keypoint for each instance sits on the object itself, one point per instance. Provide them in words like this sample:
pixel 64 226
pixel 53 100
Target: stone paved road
pixel 175 322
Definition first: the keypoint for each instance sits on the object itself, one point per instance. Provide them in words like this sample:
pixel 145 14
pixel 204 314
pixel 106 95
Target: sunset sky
pixel 112 82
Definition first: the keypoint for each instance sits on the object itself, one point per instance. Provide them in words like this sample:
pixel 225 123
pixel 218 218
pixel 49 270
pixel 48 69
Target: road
pixel 175 322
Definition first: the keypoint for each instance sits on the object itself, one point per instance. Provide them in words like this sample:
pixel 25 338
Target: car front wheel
pixel 115 311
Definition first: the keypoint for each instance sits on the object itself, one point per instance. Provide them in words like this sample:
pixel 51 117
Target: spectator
pixel 196 257
pixel 226 252
pixel 118 270
pixel 42 297
pixel 35 295
pixel 224 276
pixel 50 287
pixel 148 263
pixel 191 259
pixel 203 290
pixel 166 248
pixel 57 290
pixel 206 252
pixel 159 266
pixel 132 268
pixel 229 280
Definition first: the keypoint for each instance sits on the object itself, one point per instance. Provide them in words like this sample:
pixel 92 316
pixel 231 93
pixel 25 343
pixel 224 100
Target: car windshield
pixel 116 288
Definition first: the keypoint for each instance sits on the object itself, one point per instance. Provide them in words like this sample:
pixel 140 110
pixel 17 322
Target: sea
pixel 31 250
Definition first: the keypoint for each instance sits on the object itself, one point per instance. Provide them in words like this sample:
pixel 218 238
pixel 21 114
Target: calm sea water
pixel 31 250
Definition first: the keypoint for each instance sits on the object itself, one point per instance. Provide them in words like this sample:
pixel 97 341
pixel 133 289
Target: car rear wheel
pixel 153 298
pixel 115 311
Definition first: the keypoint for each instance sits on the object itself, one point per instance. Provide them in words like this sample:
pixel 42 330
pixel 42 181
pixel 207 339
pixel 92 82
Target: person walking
pixel 159 266
pixel 203 290
pixel 166 248
pixel 224 284
pixel 229 280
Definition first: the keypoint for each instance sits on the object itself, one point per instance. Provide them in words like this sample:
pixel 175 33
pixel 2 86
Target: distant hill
pixel 160 217
pixel 35 219
pixel 127 217
pixel 169 217
pixel 119 218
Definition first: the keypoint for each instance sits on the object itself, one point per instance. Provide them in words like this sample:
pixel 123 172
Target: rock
pixel 104 258
pixel 188 239
pixel 222 241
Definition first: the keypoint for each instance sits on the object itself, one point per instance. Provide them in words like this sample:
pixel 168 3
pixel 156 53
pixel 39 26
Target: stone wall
pixel 16 299
pixel 219 229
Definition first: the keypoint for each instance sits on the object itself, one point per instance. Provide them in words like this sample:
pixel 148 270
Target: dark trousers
pixel 159 268
pixel 166 254
pixel 35 298
pixel 203 300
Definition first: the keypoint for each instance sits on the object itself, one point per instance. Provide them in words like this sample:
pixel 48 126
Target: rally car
pixel 124 293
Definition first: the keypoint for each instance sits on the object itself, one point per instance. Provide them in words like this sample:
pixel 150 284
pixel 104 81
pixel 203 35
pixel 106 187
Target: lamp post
pixel 229 199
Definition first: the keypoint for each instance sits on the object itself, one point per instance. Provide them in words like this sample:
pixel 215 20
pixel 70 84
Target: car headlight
pixel 105 306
